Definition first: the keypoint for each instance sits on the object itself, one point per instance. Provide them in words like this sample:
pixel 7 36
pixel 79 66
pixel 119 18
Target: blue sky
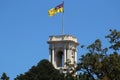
pixel 25 28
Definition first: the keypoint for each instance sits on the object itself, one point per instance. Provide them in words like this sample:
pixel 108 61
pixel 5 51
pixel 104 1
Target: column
pixel 53 56
pixel 75 57
pixel 64 56
pixel 50 55
pixel 75 60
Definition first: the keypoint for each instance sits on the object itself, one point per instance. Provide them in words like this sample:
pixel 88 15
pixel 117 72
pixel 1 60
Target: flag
pixel 56 10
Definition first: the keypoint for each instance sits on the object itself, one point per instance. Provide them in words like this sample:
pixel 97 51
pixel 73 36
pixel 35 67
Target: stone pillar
pixel 50 55
pixel 75 57
pixel 65 57
pixel 66 54
pixel 53 56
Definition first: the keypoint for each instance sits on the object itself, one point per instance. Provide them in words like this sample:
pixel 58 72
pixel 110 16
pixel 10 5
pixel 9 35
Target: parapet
pixel 62 38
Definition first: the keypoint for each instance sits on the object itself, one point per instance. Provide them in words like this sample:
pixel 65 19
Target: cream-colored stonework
pixel 62 48
pixel 63 38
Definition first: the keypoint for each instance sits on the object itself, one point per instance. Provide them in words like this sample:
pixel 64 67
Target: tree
pixel 99 63
pixel 43 71
pixel 70 71
pixel 114 39
pixel 4 76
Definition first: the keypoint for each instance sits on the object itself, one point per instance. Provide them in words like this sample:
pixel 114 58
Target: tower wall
pixel 62 48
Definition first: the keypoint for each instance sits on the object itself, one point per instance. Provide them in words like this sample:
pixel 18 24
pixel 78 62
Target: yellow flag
pixel 56 10
pixel 52 12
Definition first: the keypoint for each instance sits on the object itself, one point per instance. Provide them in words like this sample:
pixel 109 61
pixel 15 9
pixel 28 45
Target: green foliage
pixel 4 76
pixel 43 71
pixel 114 39
pixel 97 64
pixel 70 71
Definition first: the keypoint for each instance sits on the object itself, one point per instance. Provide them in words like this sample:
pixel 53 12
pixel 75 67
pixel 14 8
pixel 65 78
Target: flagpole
pixel 63 19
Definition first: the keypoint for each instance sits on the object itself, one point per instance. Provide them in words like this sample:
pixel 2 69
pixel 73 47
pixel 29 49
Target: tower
pixel 62 48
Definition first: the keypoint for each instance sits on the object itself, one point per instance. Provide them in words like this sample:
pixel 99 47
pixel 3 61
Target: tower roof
pixel 62 38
